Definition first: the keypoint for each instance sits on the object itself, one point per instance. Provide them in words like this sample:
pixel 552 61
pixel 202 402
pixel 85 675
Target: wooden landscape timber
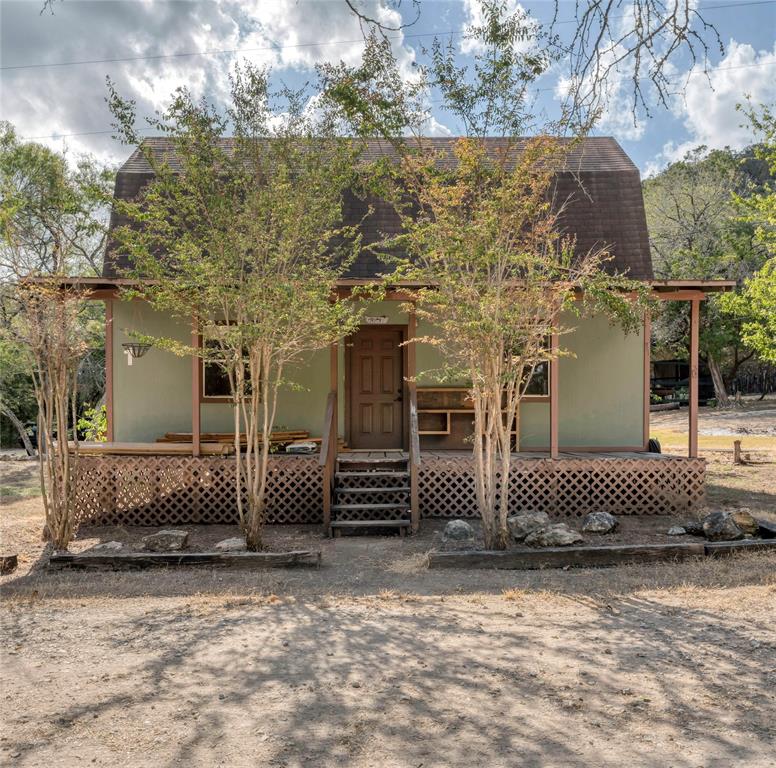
pixel 589 557
pixel 144 560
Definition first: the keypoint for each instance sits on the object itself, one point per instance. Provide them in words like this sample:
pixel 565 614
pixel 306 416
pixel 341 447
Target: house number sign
pixel 376 319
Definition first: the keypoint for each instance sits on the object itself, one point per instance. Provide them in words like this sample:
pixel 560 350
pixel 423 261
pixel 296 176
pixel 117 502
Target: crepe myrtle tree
pixel 52 226
pixel 482 234
pixel 755 305
pixel 244 236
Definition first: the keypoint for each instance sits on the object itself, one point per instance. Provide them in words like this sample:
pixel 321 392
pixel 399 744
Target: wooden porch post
pixel 414 455
pixel 195 410
pixel 109 430
pixel 554 397
pixel 647 361
pixel 693 410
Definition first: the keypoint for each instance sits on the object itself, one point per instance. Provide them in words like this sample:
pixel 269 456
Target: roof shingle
pixel 599 185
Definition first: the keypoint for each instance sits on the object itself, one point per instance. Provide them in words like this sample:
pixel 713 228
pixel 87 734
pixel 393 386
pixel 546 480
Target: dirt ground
pixel 373 660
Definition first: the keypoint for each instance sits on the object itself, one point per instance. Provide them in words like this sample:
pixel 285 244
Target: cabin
pixel 394 443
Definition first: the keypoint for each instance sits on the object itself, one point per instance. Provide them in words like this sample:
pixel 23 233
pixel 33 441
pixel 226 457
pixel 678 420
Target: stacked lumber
pixel 276 438
pixel 153 449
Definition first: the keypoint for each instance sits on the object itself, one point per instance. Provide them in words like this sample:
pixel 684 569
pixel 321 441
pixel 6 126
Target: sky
pixel 64 106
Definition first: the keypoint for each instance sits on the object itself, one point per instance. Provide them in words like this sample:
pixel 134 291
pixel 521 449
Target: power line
pixel 218 52
pixel 678 78
pixel 227 51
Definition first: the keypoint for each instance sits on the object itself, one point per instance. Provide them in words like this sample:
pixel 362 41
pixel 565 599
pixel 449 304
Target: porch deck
pixel 179 490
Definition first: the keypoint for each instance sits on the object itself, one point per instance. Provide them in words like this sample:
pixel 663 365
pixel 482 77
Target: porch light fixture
pixel 134 349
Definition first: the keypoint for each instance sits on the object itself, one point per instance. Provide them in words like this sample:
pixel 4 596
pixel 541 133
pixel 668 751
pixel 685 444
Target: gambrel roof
pixel 599 186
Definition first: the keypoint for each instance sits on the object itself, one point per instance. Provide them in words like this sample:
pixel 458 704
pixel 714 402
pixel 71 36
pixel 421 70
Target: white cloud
pixel 67 100
pixel 474 16
pixel 707 108
pixel 613 96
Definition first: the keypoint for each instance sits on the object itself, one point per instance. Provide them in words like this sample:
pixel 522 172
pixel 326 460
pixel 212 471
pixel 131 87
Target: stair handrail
pixel 328 457
pixel 414 459
pixel 327 429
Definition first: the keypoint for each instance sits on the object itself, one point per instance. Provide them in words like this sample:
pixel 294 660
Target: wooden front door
pixel 376 388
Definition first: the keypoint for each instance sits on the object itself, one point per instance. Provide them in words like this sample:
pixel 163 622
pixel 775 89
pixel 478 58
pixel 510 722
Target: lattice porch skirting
pixel 176 490
pixel 569 487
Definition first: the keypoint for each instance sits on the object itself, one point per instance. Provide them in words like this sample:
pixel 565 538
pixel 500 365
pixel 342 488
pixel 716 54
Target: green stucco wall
pixel 601 388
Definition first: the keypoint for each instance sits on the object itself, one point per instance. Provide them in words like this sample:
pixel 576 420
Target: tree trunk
pixel 11 416
pixel 720 391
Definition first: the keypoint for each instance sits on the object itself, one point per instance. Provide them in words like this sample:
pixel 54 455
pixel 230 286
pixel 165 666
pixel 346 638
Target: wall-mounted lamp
pixel 134 349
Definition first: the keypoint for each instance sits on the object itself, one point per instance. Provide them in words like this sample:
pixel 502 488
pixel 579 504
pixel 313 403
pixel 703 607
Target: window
pixel 215 381
pixel 539 386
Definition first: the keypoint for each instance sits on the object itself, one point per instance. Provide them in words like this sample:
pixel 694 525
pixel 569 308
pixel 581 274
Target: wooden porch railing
pixel 414 460
pixel 328 457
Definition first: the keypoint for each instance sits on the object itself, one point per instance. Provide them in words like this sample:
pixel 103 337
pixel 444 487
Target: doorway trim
pixel 405 413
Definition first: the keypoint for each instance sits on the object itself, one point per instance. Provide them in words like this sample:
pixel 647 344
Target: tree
pixel 244 236
pixel 50 228
pixel 755 307
pixel 695 234
pixel 481 234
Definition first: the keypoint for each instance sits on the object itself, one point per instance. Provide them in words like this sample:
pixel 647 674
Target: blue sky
pixel 68 102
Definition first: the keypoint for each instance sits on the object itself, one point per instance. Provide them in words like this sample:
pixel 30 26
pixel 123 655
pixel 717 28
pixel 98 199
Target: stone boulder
pixel 599 522
pixel 766 529
pixel 235 544
pixel 720 526
pixel 458 534
pixel 527 522
pixel 166 541
pixel 105 548
pixel 693 527
pixel 558 535
pixel 745 522
pixel 676 530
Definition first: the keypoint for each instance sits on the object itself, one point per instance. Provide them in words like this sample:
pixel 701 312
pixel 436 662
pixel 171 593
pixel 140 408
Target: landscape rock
pixel 167 540
pixel 458 534
pixel 720 526
pixel 676 530
pixel 522 524
pixel 693 527
pixel 599 522
pixel 744 520
pixel 558 535
pixel 235 544
pixel 105 547
pixel 766 529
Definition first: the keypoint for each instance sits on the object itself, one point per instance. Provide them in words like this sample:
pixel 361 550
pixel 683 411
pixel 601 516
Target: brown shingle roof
pixel 599 184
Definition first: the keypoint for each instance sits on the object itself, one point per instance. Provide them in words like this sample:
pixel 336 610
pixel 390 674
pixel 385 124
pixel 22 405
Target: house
pixel 584 428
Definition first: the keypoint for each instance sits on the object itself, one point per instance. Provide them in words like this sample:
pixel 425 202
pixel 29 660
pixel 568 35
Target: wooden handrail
pixel 328 457
pixel 327 427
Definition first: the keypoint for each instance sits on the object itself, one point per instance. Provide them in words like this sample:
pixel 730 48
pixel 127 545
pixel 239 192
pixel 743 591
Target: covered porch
pixel 192 481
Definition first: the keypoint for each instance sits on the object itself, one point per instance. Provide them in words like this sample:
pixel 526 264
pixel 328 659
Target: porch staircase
pixel 371 492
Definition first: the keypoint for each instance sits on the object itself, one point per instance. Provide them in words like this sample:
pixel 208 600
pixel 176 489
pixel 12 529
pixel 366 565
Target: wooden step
pixel 370 524
pixel 372 490
pixel 374 473
pixel 370 507
pixel 365 459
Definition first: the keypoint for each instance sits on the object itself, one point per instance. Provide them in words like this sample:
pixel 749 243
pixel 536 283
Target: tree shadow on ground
pixel 400 681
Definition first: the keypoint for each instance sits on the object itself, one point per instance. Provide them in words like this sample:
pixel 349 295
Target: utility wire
pixel 678 78
pixel 226 51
